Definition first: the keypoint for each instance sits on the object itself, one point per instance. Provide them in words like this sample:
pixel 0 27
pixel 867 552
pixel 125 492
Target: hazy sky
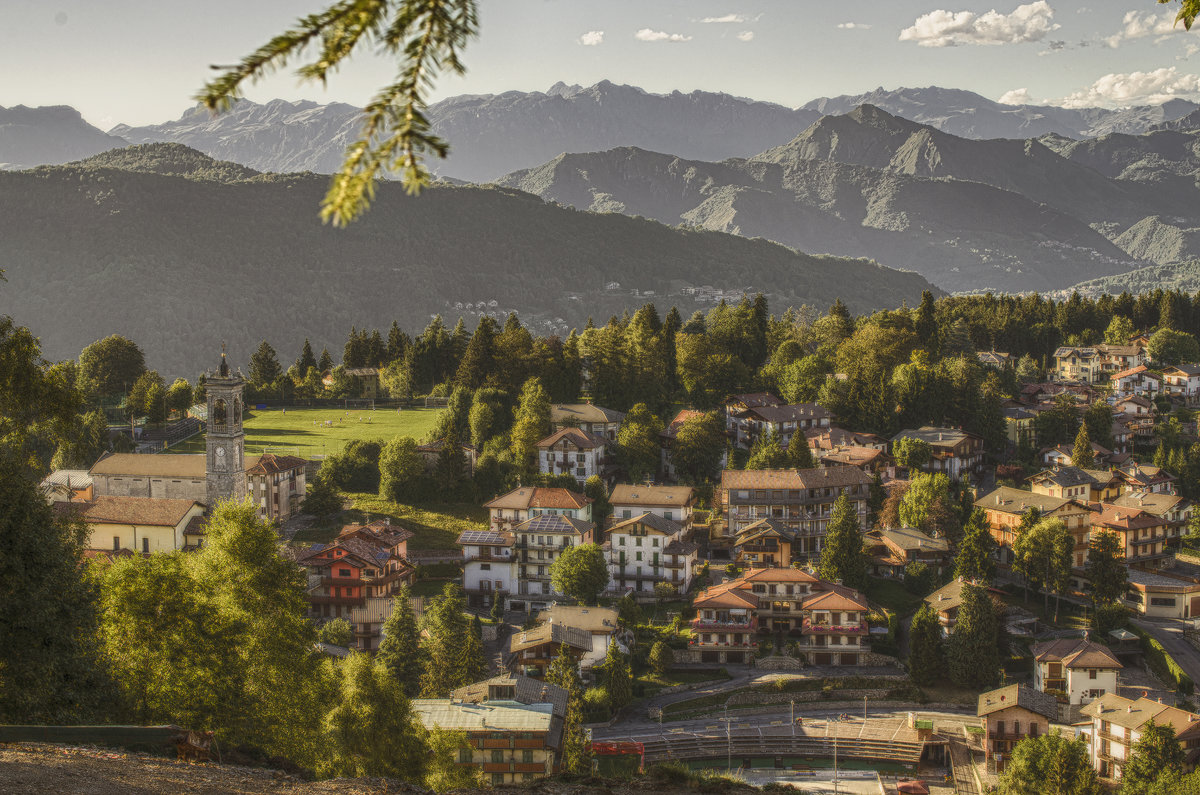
pixel 141 61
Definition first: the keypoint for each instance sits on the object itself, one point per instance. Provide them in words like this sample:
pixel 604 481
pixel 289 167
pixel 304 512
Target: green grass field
pixel 434 526
pixel 303 432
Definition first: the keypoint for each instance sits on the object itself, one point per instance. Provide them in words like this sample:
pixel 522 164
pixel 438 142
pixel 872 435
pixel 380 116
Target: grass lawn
pixel 1070 615
pixel 893 595
pixel 436 526
pixel 652 682
pixel 303 431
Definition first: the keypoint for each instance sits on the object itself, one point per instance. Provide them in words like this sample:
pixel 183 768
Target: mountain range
pixel 47 136
pixel 177 251
pixel 494 134
pixel 969 215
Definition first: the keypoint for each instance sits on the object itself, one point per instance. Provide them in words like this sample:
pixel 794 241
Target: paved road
pixel 1170 635
pixel 964 778
pixel 946 721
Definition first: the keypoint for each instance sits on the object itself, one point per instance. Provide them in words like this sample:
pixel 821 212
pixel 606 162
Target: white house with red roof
pixel 1076 667
pixel 509 510
pixel 1136 381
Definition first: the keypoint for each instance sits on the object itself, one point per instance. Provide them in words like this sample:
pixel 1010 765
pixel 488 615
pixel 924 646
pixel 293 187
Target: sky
pixel 142 61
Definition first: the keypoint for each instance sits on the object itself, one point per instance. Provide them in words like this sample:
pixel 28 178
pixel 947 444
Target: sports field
pixel 314 432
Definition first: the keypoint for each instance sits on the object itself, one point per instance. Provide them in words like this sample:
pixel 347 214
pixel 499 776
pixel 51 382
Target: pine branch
pixel 425 36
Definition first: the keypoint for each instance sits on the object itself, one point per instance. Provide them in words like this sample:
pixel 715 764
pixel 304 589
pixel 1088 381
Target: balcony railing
pixel 725 626
pixel 346 601
pixel 837 629
pixel 749 643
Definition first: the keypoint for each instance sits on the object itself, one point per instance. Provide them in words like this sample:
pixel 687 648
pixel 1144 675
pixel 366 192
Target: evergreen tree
pixel 264 365
pixel 926 657
pixel 1156 753
pixel 306 359
pixel 595 489
pixel 400 650
pixel 478 359
pixel 371 730
pixel 618 679
pixel 767 453
pixel 398 343
pixel 325 364
pixel 453 654
pixel 926 324
pixel 1106 572
pixel 975 560
pixel 638 443
pixel 1082 454
pixel 354 354
pixel 531 423
pixel 971 654
pixel 1098 420
pixel 799 454
pixel 50 668
pixel 576 749
pixel 876 496
pixel 321 497
pixel 661 659
pixel 842 556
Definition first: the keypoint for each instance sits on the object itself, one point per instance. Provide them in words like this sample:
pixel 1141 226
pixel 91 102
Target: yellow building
pixel 140 525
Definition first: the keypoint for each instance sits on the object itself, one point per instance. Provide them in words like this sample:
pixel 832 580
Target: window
pixel 1161 601
pixel 497 778
pixel 464 754
pixel 620 541
pixel 485 567
pixel 654 541
pixel 627 514
pixel 527 756
pixel 146 550
pixel 497 756
pixel 639 555
pixel 343 572
pixel 668 514
pixel 1091 673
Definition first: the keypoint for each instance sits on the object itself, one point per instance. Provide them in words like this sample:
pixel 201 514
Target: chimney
pixel 1129 709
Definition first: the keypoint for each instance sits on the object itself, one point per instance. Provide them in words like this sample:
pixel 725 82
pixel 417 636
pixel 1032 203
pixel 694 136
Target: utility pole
pixel 835 775
pixel 864 709
pixel 793 718
pixel 728 744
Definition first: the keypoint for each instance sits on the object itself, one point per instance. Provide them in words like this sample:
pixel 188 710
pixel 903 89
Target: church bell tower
pixel 225 464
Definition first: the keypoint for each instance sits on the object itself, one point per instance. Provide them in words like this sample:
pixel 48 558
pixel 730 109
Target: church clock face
pixel 220 458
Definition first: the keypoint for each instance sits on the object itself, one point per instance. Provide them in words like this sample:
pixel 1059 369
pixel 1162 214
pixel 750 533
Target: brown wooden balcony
pixel 860 628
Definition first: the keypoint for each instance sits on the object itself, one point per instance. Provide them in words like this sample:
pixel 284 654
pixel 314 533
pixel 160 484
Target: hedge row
pixel 1163 665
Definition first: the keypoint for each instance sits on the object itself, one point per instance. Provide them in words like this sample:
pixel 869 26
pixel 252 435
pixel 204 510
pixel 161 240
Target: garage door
pixel 734 656
pixel 849 659
pixel 708 656
pixel 822 658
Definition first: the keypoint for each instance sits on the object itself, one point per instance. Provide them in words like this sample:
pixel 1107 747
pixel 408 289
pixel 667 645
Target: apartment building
pixel 538 543
pixel 521 504
pixel 1010 714
pixel 649 549
pixel 587 417
pixel 670 502
pixel 1115 724
pixel 575 452
pixel 489 566
pixel 799 499
pixel 955 452
pixel 828 621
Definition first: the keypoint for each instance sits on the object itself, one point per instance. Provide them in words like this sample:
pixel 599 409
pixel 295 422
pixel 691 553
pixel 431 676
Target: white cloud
pixel 853 26
pixel 726 19
pixel 746 35
pixel 592 38
pixel 1029 22
pixel 1018 96
pixel 1136 88
pixel 1138 25
pixel 646 34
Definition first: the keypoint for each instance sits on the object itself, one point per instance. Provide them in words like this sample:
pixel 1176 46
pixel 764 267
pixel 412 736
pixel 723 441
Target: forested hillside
pixel 184 262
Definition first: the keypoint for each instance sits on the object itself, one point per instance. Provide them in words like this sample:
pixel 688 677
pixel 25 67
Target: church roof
pixel 166 465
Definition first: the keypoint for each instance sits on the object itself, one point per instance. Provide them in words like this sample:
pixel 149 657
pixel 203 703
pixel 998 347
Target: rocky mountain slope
pixel 48 135
pixel 182 260
pixel 967 215
pixel 969 115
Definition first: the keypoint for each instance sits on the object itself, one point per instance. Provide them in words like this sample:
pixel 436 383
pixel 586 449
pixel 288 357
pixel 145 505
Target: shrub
pixel 597 706
pixel 1162 664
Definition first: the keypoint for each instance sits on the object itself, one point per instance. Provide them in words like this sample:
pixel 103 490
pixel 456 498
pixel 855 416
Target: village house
pixel 489 567
pixel 1172 509
pixel 1162 593
pixel 432 451
pixel 868 459
pixel 748 426
pixel 521 504
pixel 892 549
pixel 1183 381
pixel 1146 478
pixel 587 417
pixel 512 742
pixel 801 499
pixel 737 404
pixel 1136 381
pixel 766 543
pixel 1080 669
pixel 277 485
pixel 367 381
pixel 955 452
pixel 1073 483
pixel 539 541
pixel 138 525
pixel 995 359
pixel 649 549
pixel 1018 426
pixel 1136 413
pixel 1007 716
pixel 1005 507
pixel 1092 365
pixel 1114 724
pixel 821 440
pixel 586 632
pixel 574 452
pixel 829 621
pixel 1062 455
pixel 1143 535
pixel 67 485
pixel 670 502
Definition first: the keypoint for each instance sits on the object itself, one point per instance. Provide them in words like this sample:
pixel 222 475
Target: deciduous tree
pixel 1049 764
pixel 1156 753
pixel 698 447
pixel 580 572
pixel 638 442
